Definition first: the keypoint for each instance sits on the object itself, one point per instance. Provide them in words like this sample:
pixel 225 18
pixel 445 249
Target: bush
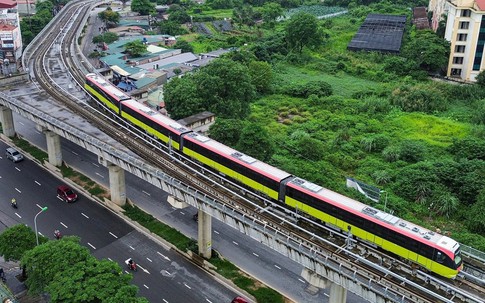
pixel 423 98
pixel 374 143
pixel 412 151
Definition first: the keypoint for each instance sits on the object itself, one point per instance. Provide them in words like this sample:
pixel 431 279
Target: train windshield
pixel 458 257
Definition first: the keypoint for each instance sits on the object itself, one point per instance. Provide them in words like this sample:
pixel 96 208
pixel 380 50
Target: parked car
pixel 239 300
pixel 65 193
pixel 13 154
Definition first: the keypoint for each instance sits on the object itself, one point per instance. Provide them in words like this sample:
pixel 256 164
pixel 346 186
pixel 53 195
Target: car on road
pixel 239 300
pixel 13 154
pixel 65 193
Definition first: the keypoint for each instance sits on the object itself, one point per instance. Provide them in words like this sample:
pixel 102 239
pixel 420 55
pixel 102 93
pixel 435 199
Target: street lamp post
pixel 35 223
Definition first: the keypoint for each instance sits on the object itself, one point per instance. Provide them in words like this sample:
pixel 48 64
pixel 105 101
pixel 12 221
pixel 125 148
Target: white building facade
pixel 465 29
pixel 10 37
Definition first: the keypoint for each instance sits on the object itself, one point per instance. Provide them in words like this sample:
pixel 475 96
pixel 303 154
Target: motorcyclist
pixel 131 264
pixel 57 234
pixel 14 203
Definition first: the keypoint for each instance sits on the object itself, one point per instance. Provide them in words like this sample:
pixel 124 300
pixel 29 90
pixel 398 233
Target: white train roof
pixel 108 87
pixel 415 231
pixel 155 116
pixel 217 147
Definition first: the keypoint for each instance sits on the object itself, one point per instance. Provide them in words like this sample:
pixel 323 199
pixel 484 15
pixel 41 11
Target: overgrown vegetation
pixel 326 113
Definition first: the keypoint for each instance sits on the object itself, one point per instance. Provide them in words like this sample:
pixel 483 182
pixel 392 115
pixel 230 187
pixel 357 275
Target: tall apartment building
pixel 10 37
pixel 465 29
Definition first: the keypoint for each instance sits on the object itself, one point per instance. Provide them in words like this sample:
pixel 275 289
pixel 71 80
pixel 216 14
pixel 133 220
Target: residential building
pixel 465 29
pixel 10 37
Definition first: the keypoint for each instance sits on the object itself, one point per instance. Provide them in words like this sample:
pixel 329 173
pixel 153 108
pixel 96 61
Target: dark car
pixel 65 193
pixel 239 300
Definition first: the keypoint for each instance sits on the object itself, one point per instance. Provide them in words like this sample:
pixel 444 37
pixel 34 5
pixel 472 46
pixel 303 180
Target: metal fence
pixel 472 252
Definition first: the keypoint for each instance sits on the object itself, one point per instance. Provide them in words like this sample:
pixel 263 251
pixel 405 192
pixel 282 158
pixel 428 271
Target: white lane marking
pixel 22 123
pixel 110 259
pixel 235 243
pixel 149 260
pixel 208 300
pixel 64 225
pixel 277 266
pixel 326 295
pixel 143 269
pixel 17 168
pixel 167 273
pixel 74 153
pixel 18 190
pixel 38 132
pixel 163 256
pixel 37 183
pixel 91 245
pixel 187 286
pixel 18 216
pixel 85 215
pixel 183 214
pixel 301 280
pixel 132 247
pixel 99 175
pixel 40 234
pixel 39 206
pixel 113 235
pixel 256 254
pixel 146 286
pixel 146 193
pixel 126 272
pixel 94 164
pixel 216 232
pixel 165 301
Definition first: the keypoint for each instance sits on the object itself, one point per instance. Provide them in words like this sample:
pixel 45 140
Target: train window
pixel 440 257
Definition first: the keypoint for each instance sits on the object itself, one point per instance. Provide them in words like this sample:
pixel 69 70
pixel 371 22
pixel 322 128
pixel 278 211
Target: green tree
pixel 144 7
pixel 243 15
pixel 255 141
pixel 178 14
pixel 481 79
pixel 89 281
pixel 270 12
pixel 107 38
pixel 182 98
pixel 468 148
pixel 412 151
pixel 45 261
pixel 225 86
pixel 24 239
pixel 110 17
pixel 429 51
pixel 302 30
pixel 261 76
pixel 171 28
pixel 184 46
pixel 136 48
pixel 226 131
pixel 476 215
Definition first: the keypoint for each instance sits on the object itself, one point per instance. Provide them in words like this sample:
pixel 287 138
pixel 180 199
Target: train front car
pixel 244 169
pixel 430 250
pixel 153 123
pixel 105 92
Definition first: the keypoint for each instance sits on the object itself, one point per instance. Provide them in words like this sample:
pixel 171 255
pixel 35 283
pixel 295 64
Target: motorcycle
pixel 57 234
pixel 14 203
pixel 131 264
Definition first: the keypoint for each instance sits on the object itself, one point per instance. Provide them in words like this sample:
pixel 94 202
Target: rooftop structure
pixel 382 33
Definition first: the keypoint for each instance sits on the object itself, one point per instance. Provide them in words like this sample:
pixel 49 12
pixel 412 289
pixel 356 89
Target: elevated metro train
pixel 432 251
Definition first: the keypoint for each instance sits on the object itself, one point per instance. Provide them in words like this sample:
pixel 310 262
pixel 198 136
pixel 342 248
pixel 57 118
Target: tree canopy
pixel 222 87
pixel 24 239
pixel 144 7
pixel 109 16
pixel 302 30
pixel 429 50
pixel 136 48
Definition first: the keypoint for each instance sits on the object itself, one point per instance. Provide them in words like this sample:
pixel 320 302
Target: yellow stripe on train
pixel 101 98
pixel 364 235
pixel 231 173
pixel 150 130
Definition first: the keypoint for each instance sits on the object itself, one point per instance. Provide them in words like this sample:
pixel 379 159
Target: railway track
pixel 60 43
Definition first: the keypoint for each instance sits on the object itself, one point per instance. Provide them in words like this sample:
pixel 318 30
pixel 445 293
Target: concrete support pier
pixel 117 184
pixel 338 294
pixel 205 234
pixel 6 117
pixel 54 148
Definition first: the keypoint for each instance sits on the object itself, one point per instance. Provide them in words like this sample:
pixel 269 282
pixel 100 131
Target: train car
pixel 433 251
pixel 153 123
pixel 236 165
pixel 105 92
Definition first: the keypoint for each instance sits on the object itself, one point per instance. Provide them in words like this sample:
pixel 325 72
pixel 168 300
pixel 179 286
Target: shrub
pixel 423 98
pixel 412 151
pixel 375 142
pixel 317 88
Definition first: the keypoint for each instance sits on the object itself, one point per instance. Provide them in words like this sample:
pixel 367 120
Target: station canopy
pixel 381 33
